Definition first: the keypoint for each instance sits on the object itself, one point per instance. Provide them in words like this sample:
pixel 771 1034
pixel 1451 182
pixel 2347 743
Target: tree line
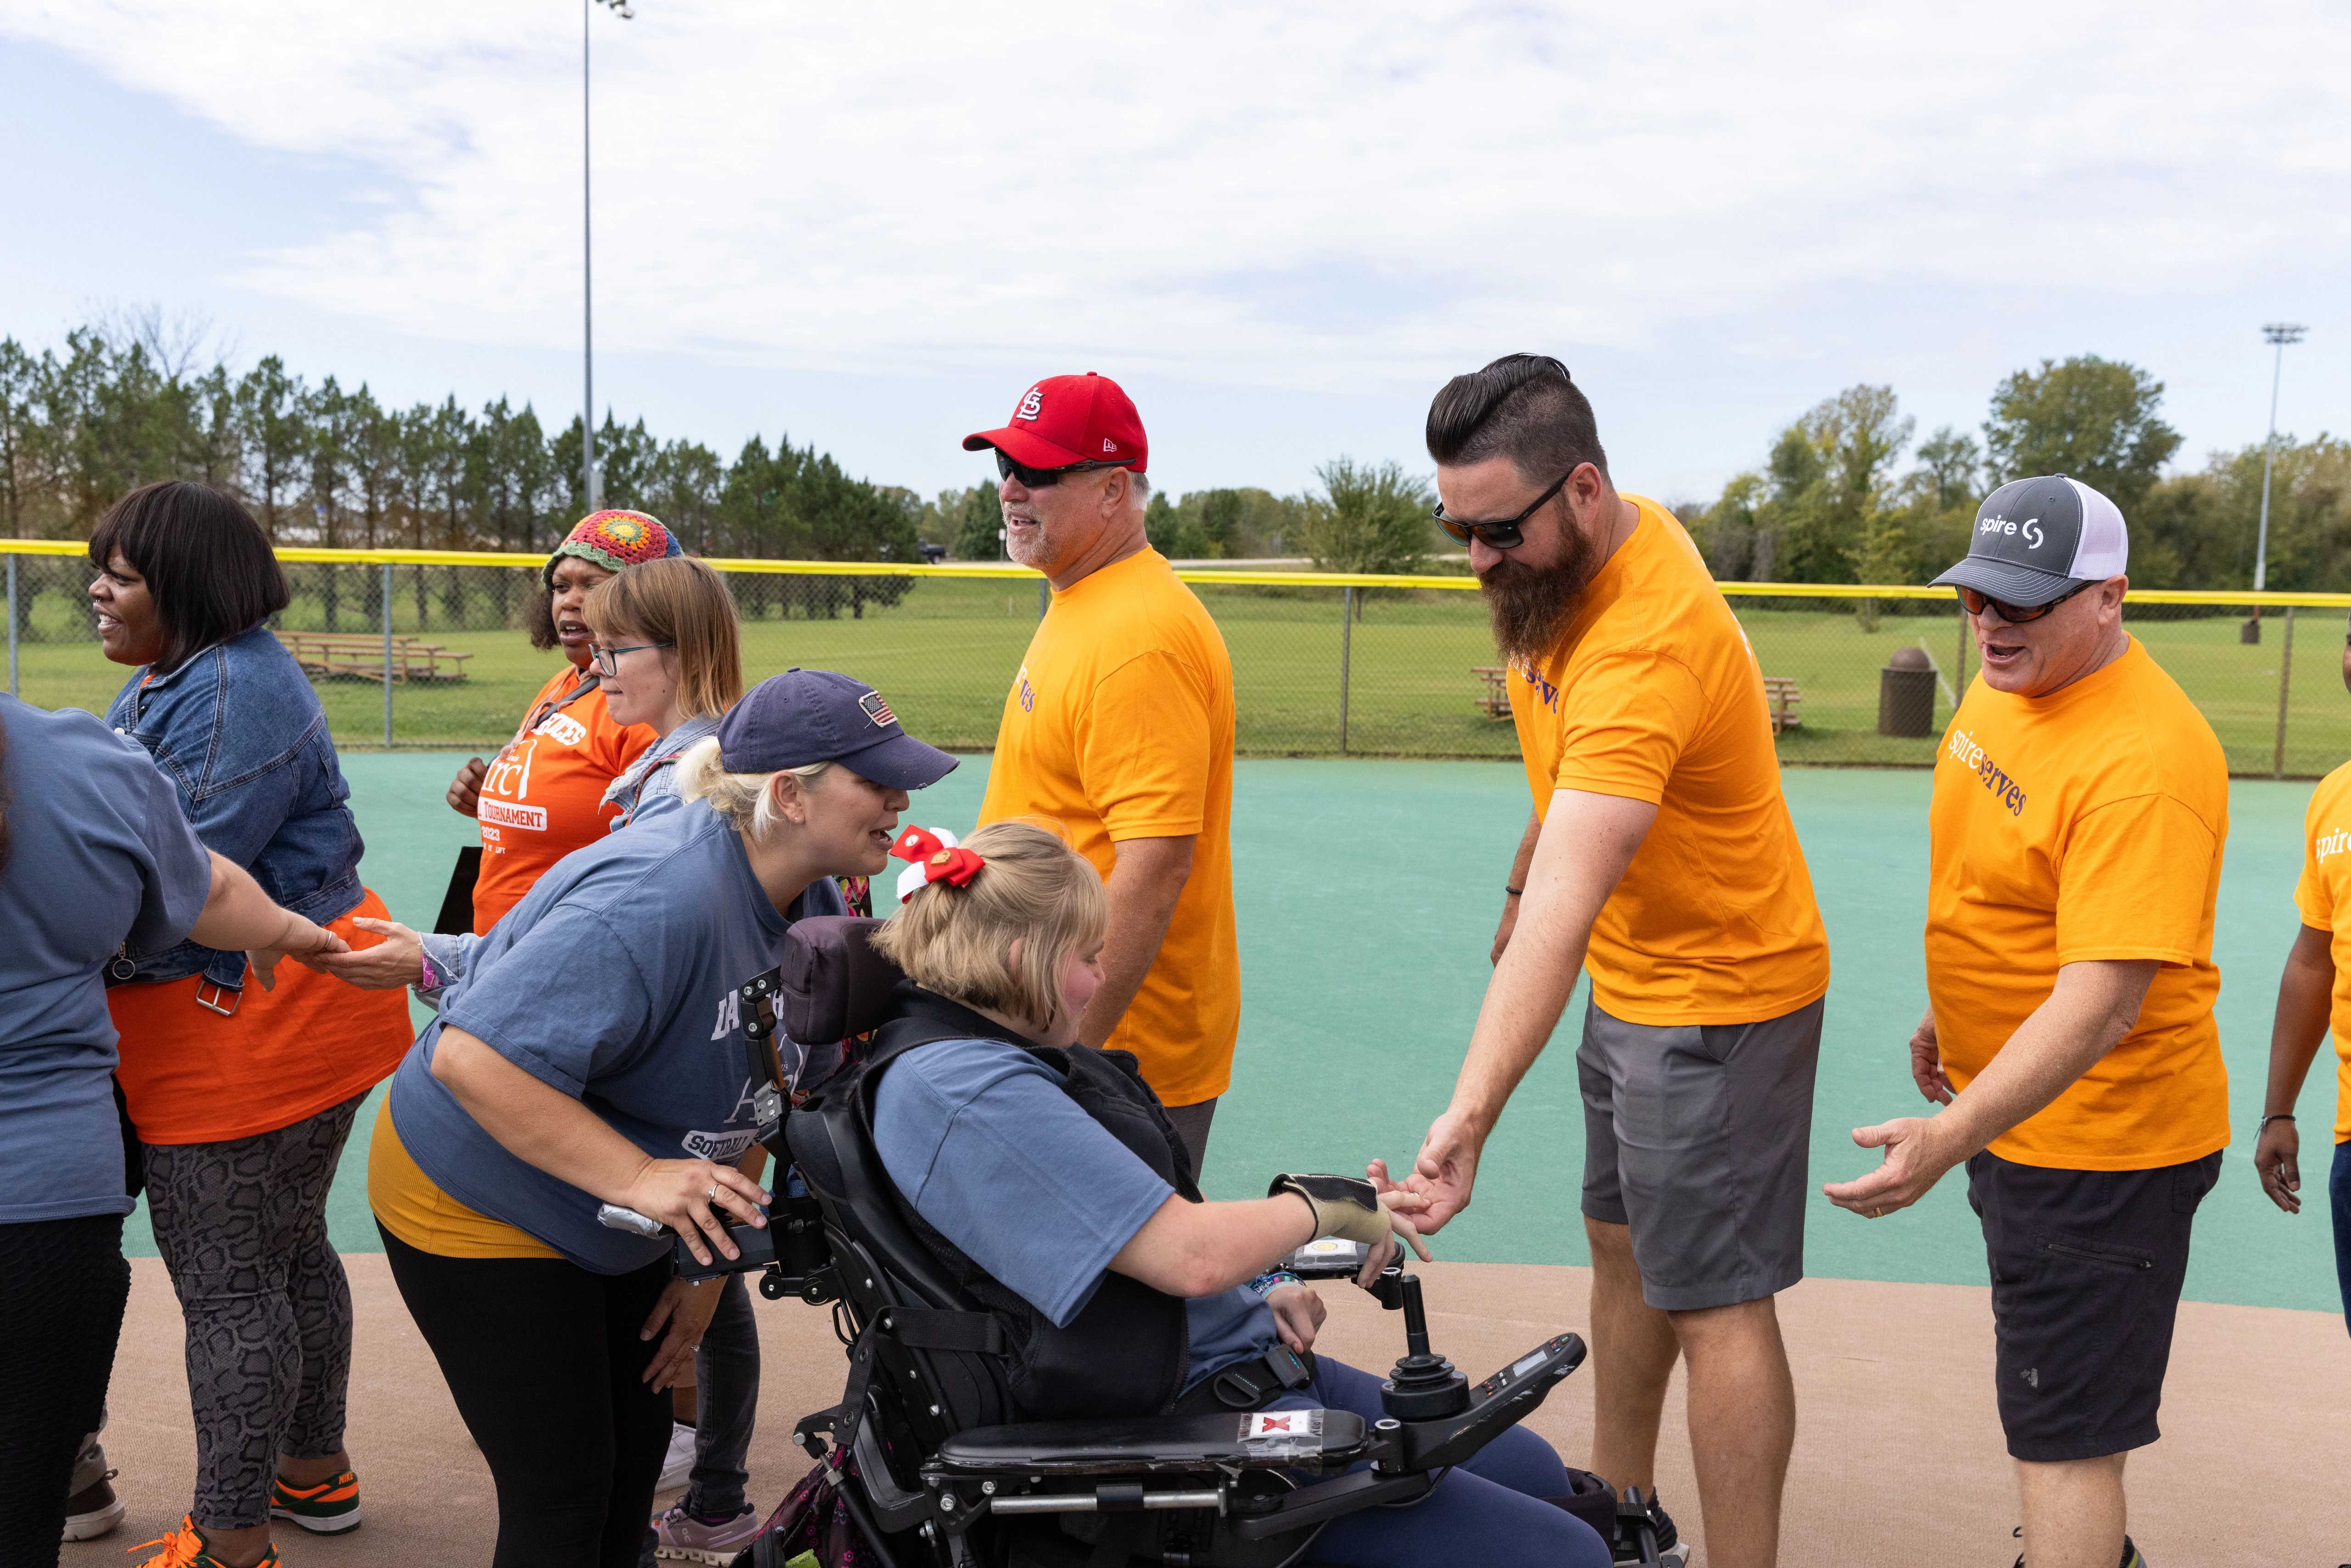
pixel 1831 501
pixel 129 402
pixel 133 399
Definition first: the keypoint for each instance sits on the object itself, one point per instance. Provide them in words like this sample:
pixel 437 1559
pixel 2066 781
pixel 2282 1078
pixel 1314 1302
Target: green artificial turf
pixel 1368 894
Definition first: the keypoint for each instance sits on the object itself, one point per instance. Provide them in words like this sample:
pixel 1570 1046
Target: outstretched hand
pixel 398 960
pixel 1445 1172
pixel 1914 1163
pixel 303 940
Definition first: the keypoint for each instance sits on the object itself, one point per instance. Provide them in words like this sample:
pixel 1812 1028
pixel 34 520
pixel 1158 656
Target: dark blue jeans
pixel 2338 1191
pixel 1489 1511
pixel 727 1385
pixel 726 1400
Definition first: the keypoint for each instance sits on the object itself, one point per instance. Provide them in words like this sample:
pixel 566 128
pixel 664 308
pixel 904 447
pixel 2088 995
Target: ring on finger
pixel 714 1194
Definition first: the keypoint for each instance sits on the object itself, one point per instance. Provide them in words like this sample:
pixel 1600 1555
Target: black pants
pixel 63 1284
pixel 546 1366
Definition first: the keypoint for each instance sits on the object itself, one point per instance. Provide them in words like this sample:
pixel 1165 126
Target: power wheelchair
pixel 928 1452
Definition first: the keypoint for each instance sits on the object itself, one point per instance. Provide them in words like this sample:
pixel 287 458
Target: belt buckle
pixel 219 991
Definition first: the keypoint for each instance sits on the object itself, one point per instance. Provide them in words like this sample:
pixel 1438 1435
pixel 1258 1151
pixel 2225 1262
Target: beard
pixel 1531 605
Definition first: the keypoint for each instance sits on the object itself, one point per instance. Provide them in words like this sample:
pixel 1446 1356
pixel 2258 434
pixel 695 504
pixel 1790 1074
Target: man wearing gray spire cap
pixel 2080 807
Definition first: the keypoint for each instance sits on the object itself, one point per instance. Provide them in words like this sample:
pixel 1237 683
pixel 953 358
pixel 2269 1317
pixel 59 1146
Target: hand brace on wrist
pixel 1346 1206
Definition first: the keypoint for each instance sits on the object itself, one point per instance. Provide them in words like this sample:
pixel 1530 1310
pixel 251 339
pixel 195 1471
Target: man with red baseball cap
pixel 1119 727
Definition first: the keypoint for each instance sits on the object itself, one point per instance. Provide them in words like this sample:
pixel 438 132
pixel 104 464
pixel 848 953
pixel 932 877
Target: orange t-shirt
pixel 2087 824
pixel 2323 896
pixel 1120 726
pixel 544 794
pixel 1652 694
pixel 191 1076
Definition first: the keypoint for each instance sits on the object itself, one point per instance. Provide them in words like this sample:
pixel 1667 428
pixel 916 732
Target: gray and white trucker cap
pixel 2035 538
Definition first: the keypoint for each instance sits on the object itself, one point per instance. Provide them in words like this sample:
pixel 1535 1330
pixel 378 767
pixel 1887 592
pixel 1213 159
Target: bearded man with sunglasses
pixel 2081 805
pixel 1661 860
pixel 1119 727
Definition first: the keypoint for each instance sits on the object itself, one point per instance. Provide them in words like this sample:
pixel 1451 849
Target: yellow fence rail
pixel 1210 576
pixel 427 648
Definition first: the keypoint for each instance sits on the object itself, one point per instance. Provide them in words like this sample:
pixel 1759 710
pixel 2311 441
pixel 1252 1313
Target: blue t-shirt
pixel 99 855
pixel 982 1140
pixel 614 980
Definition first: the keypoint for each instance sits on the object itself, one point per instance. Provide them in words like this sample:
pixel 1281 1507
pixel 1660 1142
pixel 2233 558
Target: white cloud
pixel 1339 195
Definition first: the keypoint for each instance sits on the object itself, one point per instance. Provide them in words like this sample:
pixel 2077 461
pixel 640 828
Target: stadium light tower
pixel 2278 334
pixel 589 479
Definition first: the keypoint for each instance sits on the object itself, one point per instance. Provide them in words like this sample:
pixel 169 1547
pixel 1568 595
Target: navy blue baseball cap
pixel 815 716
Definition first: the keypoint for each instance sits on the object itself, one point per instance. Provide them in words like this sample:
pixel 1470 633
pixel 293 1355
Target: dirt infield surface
pixel 1899 1457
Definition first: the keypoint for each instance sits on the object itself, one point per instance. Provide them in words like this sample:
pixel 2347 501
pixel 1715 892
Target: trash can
pixel 1906 694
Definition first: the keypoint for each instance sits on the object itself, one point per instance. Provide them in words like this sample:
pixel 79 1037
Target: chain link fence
pixel 1369 667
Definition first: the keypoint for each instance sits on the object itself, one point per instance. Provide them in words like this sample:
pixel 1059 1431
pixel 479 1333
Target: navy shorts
pixel 2087 1268
pixel 2338 1188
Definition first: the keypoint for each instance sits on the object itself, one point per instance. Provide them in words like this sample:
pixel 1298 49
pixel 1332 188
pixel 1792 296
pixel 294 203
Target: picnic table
pixel 1780 694
pixel 1494 700
pixel 358 655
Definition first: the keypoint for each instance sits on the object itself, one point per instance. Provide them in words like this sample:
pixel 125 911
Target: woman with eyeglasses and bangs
pixel 543 795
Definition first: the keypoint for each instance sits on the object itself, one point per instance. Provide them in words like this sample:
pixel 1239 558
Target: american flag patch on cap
pixel 877 710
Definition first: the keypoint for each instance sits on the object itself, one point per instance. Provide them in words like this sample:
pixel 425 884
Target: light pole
pixel 589 481
pixel 2277 334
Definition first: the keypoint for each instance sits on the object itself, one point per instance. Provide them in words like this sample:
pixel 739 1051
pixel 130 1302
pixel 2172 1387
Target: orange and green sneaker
pixel 328 1509
pixel 184 1547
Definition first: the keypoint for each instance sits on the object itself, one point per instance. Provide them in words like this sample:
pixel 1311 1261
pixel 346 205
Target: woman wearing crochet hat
pixel 543 795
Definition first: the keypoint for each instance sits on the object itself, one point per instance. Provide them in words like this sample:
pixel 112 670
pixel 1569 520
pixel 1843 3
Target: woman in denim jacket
pixel 242 1098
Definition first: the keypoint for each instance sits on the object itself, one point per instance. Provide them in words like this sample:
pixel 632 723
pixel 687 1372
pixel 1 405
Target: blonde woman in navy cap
pixel 514 1118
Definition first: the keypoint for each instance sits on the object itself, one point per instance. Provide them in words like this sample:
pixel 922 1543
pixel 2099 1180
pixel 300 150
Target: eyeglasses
pixel 1503 533
pixel 1976 604
pixel 608 660
pixel 1041 478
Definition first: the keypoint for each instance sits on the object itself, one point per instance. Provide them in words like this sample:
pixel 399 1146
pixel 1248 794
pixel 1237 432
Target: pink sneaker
pixel 682 1537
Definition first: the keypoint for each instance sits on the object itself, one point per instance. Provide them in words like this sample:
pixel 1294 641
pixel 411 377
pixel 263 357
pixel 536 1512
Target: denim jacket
pixel 240 734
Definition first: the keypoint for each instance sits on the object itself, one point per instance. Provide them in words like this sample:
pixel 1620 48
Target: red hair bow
pixel 934 857
pixel 956 867
pixel 918 844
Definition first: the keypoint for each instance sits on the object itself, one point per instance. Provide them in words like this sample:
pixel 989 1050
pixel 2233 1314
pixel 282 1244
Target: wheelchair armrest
pixel 1155 1445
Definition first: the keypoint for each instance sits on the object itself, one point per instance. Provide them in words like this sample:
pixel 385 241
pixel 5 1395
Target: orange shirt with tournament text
pixel 1652 694
pixel 543 796
pixel 1120 726
pixel 2324 897
pixel 2086 824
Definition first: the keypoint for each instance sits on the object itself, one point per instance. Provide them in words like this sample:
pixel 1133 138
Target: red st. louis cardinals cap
pixel 1071 419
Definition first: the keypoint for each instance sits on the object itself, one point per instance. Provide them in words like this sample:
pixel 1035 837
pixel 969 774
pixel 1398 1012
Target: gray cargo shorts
pixel 1699 1138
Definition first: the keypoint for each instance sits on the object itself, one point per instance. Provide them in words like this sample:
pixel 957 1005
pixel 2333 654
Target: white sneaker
pixel 679 1465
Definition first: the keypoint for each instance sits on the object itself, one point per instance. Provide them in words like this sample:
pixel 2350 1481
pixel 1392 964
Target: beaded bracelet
pixel 1265 1284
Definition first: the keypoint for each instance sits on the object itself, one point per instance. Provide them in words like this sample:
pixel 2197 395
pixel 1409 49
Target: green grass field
pixel 946 654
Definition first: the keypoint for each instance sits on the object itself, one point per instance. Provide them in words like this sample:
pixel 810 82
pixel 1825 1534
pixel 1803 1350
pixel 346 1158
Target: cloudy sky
pixel 1281 227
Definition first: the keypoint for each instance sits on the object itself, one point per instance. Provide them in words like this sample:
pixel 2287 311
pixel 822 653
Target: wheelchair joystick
pixel 1424 1386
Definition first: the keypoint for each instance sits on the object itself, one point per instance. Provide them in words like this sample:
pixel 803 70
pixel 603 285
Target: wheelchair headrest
pixel 834 984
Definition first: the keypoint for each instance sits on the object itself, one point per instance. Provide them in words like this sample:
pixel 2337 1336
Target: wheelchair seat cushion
pixel 1269 1439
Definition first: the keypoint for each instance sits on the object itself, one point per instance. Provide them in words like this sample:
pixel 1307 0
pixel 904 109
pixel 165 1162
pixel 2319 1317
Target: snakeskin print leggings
pixel 242 1228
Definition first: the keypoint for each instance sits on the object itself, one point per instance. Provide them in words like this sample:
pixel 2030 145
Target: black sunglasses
pixel 1038 478
pixel 1503 533
pixel 1976 604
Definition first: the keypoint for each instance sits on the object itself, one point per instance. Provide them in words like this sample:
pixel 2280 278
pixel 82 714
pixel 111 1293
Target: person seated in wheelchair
pixel 1047 1176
